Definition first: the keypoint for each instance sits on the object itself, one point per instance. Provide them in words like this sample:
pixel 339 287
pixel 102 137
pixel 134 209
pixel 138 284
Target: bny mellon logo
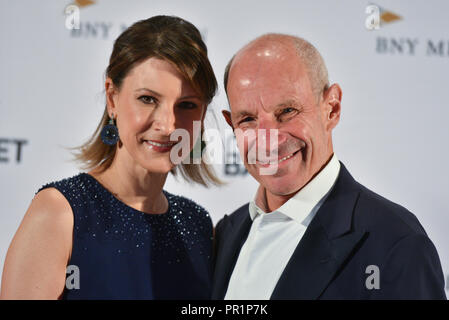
pixel 83 3
pixel 378 16
pixel 387 16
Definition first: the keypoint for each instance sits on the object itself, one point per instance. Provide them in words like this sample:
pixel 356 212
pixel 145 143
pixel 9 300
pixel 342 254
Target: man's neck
pixel 274 202
pixel 270 202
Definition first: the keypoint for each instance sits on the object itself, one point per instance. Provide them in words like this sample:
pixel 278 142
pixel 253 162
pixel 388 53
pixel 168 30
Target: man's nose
pixel 268 133
pixel 164 119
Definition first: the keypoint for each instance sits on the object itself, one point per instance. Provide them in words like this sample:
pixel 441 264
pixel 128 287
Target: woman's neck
pixel 134 185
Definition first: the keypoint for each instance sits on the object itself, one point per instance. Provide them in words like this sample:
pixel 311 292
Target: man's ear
pixel 111 96
pixel 227 116
pixel 331 106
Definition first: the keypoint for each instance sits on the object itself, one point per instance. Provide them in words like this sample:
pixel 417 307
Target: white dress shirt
pixel 274 236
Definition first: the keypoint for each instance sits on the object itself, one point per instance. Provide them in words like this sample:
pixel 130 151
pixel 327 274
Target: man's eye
pixel 287 113
pixel 287 110
pixel 188 105
pixel 247 119
pixel 148 99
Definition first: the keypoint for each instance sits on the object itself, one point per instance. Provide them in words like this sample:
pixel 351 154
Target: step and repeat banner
pixel 391 59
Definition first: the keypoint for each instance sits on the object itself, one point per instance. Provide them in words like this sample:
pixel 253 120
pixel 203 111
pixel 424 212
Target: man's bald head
pixel 306 53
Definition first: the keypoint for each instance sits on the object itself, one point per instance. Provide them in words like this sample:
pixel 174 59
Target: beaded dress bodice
pixel 123 253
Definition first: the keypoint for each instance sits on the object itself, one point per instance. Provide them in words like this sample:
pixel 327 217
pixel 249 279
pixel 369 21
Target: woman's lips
pixel 160 146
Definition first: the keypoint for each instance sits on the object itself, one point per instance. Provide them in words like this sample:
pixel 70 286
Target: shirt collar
pixel 301 205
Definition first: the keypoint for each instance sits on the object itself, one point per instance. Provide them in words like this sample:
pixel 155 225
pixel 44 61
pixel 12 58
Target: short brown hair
pixel 174 40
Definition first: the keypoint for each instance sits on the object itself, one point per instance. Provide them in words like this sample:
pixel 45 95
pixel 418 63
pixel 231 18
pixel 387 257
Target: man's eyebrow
pixel 242 114
pixel 288 103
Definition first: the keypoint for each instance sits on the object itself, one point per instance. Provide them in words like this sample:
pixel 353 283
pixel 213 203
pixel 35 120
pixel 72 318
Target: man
pixel 312 231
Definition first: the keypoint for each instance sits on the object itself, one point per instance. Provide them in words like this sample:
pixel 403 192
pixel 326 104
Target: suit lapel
pixel 325 246
pixel 228 251
pixel 314 264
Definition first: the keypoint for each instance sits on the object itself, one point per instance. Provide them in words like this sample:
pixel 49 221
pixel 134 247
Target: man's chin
pixel 280 187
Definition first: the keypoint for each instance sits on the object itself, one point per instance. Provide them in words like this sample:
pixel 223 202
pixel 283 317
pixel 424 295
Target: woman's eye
pixel 187 105
pixel 147 99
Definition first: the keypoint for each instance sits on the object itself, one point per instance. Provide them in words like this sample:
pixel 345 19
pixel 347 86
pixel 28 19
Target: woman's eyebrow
pixel 159 95
pixel 191 97
pixel 149 90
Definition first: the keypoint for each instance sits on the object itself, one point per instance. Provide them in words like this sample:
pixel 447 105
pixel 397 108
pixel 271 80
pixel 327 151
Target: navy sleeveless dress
pixel 123 253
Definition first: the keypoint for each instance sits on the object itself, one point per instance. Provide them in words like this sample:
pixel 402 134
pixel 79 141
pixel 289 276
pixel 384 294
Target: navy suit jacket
pixel 354 228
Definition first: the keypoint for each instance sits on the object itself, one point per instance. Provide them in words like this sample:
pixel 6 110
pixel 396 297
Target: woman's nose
pixel 164 119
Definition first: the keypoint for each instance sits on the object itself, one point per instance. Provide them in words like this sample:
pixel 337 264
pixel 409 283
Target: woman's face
pixel 153 101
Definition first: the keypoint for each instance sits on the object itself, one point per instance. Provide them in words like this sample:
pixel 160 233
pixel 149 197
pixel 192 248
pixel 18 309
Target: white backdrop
pixel 393 134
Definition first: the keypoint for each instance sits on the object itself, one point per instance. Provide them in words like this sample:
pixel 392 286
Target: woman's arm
pixel 35 265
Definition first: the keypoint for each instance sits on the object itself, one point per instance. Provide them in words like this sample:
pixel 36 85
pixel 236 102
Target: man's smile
pixel 270 162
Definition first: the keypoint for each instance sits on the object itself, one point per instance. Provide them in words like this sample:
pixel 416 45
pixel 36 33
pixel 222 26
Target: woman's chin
pixel 161 167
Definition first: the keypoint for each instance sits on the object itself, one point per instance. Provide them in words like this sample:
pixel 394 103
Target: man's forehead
pixel 262 66
pixel 266 84
pixel 264 79
pixel 267 93
pixel 265 74
pixel 265 103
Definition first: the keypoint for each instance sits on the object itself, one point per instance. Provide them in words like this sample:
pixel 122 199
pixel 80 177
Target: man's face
pixel 269 88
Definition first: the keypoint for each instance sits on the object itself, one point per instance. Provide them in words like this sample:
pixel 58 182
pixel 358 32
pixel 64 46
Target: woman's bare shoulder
pixel 35 265
pixel 49 216
pixel 50 203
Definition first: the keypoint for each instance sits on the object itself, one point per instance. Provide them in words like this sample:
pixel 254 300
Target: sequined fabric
pixel 123 253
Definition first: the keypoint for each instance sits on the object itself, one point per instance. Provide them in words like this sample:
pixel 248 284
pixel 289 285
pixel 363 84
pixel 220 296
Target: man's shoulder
pixel 376 213
pixel 240 212
pixel 397 243
pixel 235 217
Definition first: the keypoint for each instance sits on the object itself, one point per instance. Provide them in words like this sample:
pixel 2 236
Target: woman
pixel 114 231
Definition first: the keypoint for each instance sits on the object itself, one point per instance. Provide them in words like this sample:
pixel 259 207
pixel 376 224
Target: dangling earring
pixel 109 133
